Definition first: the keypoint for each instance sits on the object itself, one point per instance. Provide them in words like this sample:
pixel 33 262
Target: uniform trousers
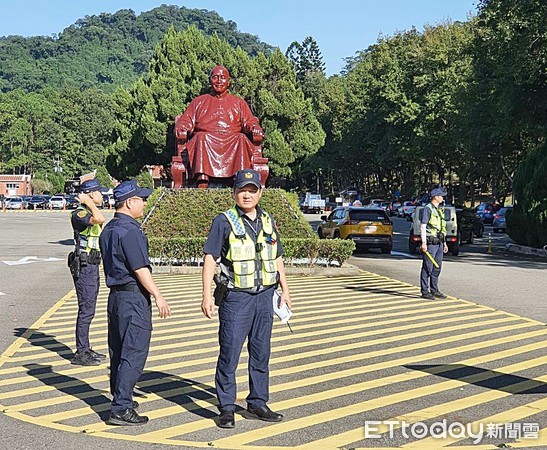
pixel 87 289
pixel 244 316
pixel 429 276
pixel 129 334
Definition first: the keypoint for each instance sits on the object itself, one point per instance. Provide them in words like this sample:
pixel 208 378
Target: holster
pixel 221 289
pixel 74 264
pixel 94 257
pixel 432 240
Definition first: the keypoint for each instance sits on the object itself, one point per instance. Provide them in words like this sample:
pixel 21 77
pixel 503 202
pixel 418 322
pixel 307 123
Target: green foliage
pixel 527 224
pixel 40 186
pixel 105 50
pixel 189 251
pixel 306 58
pixel 145 180
pixel 103 177
pixel 57 181
pixel 179 72
pixel 180 222
pixel 189 212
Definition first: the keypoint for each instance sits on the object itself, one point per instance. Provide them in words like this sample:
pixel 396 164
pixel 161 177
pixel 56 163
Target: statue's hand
pixel 257 131
pixel 181 135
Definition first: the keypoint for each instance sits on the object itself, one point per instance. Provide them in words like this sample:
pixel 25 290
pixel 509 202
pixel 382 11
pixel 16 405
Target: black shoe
pixel 135 404
pixel 85 359
pixel 428 296
pixel 126 417
pixel 438 295
pixel 226 419
pixel 96 355
pixel 266 414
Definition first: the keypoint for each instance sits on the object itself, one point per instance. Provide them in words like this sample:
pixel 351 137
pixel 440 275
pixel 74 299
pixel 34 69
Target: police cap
pixel 245 177
pixel 128 189
pixel 92 185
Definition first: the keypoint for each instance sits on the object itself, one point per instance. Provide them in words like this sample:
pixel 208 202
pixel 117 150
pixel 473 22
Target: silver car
pixel 16 203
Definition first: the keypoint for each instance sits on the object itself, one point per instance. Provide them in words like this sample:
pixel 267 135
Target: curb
pixel 347 270
pixel 524 250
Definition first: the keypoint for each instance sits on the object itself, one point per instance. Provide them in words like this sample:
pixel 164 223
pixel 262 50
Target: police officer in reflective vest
pixel 246 241
pixel 128 274
pixel 87 221
pixel 433 234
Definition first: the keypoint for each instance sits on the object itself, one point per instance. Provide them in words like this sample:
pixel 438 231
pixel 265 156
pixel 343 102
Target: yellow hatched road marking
pixel 359 307
pixel 513 415
pixel 352 346
pixel 357 434
pixel 321 378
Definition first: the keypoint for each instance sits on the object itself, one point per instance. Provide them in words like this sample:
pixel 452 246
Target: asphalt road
pixel 500 280
pixel 352 357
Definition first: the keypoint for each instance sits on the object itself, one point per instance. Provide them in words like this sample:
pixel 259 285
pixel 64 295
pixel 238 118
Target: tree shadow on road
pixel 375 290
pixel 489 379
pixel 45 341
pixel 180 391
pixel 72 386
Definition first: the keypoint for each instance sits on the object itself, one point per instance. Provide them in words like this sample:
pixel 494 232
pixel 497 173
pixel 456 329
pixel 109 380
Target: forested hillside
pixel 107 50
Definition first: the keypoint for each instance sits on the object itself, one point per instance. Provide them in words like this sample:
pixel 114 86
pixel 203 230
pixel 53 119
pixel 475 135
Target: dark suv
pixel 486 211
pixel 469 225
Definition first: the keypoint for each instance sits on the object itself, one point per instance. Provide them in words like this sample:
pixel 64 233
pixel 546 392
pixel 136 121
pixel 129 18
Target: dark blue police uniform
pixel 429 275
pixel 86 284
pixel 244 314
pixel 125 249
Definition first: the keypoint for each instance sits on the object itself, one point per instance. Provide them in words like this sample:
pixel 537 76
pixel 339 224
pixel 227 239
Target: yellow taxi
pixel 367 227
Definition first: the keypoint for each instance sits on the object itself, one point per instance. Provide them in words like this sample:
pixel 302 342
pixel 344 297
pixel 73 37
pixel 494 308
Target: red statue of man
pixel 219 124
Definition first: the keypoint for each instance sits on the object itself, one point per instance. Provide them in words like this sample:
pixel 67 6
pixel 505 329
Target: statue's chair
pixel 184 176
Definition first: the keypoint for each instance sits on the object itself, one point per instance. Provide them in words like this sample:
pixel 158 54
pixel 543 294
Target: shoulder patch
pixel 81 214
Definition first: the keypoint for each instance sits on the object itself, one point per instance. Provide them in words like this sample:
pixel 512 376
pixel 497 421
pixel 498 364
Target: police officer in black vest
pixel 247 243
pixel 87 222
pixel 128 275
pixel 433 235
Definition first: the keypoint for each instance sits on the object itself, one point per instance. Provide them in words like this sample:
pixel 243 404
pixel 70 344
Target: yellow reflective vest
pixel 254 264
pixel 437 222
pixel 90 235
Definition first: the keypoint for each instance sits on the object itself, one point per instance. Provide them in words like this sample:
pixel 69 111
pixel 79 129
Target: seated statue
pixel 217 135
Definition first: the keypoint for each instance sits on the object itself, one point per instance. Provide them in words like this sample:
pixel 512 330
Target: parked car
pixel 37 202
pixel 469 224
pixel 367 227
pixel 453 236
pixel 16 203
pixel 486 211
pixel 72 202
pixel 500 219
pixel 57 202
pixel 108 201
pixel 394 208
pixel 406 210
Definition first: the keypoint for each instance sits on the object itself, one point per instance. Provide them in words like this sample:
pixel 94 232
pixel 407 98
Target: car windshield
pixel 57 199
pixel 367 216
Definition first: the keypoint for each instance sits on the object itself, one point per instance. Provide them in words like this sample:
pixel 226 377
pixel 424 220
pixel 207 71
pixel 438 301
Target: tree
pixel 103 177
pixel 179 72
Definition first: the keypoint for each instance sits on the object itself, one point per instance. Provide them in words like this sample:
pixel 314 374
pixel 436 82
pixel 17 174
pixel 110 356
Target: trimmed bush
pixel 189 251
pixel 179 224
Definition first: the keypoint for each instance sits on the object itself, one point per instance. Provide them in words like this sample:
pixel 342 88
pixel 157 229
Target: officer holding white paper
pixel 246 241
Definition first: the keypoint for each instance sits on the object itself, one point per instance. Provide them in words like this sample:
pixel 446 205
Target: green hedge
pixel 189 212
pixel 189 251
pixel 180 221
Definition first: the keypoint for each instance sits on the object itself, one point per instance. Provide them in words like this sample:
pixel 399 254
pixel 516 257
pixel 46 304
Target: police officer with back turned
pixel 247 243
pixel 433 234
pixel 87 222
pixel 128 275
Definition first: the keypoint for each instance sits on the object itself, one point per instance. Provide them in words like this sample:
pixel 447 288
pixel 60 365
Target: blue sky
pixel 341 28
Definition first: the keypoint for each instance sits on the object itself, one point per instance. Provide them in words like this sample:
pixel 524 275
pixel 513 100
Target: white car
pixel 16 203
pixel 57 202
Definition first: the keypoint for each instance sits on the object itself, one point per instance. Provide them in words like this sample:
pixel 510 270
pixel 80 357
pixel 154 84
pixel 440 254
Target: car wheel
pixel 320 233
pixel 336 235
pixel 455 251
pixel 481 232
pixel 386 250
